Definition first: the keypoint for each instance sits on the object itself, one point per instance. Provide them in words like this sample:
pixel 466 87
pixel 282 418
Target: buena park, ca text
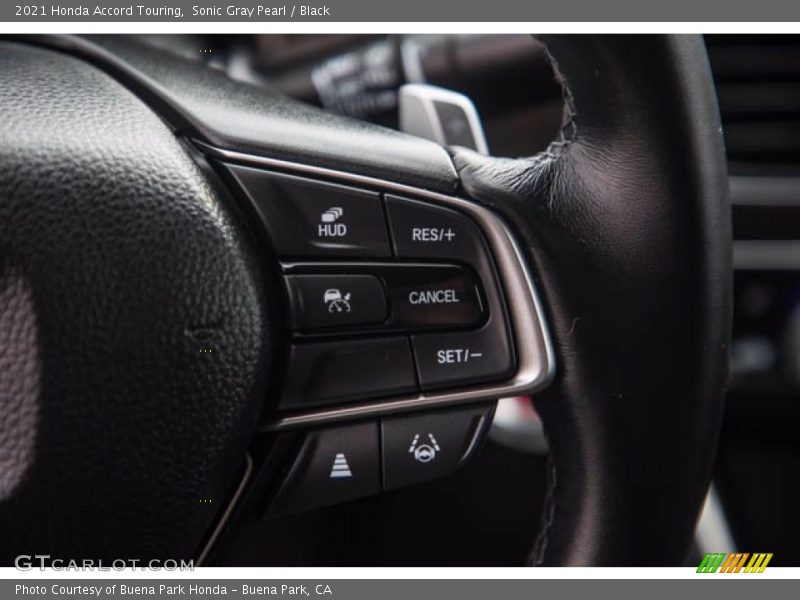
pixel 172 590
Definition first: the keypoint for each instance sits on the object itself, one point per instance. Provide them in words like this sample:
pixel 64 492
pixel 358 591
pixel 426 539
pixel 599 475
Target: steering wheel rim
pixel 627 224
pixel 642 121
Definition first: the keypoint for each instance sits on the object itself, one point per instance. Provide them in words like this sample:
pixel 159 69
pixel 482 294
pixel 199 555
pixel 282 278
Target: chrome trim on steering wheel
pixel 534 348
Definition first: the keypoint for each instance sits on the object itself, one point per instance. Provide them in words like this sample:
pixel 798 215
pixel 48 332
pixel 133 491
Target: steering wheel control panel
pixel 407 314
pixel 388 296
pixel 345 462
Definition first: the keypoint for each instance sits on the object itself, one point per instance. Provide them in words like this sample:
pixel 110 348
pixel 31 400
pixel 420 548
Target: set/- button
pixel 462 358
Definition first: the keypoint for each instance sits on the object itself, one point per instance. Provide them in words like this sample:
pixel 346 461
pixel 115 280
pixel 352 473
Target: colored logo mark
pixel 722 562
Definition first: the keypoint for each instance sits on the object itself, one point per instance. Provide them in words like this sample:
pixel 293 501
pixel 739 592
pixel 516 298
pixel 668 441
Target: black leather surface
pixel 627 224
pixel 133 321
pixel 206 104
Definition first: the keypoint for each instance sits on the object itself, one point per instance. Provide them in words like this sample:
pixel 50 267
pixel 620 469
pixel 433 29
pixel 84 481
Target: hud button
pixel 304 217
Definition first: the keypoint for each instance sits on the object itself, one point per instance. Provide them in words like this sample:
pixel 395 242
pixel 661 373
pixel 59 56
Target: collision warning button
pixel 320 301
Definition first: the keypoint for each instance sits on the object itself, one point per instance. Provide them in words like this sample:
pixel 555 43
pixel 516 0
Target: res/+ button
pixel 422 230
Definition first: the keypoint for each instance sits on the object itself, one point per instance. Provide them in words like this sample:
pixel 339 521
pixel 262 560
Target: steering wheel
pixel 166 322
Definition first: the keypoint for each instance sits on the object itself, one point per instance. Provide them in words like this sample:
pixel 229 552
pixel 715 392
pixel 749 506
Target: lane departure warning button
pixel 334 465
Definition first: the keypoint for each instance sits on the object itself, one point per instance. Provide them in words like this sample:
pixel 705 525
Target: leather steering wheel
pixel 139 317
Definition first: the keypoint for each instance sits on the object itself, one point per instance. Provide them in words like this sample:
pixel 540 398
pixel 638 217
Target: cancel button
pixel 441 296
pixel 434 296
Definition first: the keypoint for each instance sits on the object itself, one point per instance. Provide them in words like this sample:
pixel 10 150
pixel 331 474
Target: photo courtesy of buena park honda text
pixel 360 299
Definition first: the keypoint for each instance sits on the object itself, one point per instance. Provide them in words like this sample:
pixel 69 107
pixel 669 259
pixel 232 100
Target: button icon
pixel 328 223
pixel 340 467
pixel 424 452
pixel 336 301
pixel 332 214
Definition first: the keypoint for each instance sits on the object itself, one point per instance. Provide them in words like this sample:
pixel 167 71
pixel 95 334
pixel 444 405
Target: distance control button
pixel 418 448
pixel 339 372
pixel 421 230
pixel 319 301
pixel 304 217
pixel 334 465
pixel 450 359
pixel 433 296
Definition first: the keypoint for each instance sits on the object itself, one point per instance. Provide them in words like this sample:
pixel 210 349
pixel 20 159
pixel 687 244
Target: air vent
pixel 758 83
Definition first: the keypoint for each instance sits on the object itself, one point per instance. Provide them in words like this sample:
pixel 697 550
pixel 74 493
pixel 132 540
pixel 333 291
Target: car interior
pixel 400 300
